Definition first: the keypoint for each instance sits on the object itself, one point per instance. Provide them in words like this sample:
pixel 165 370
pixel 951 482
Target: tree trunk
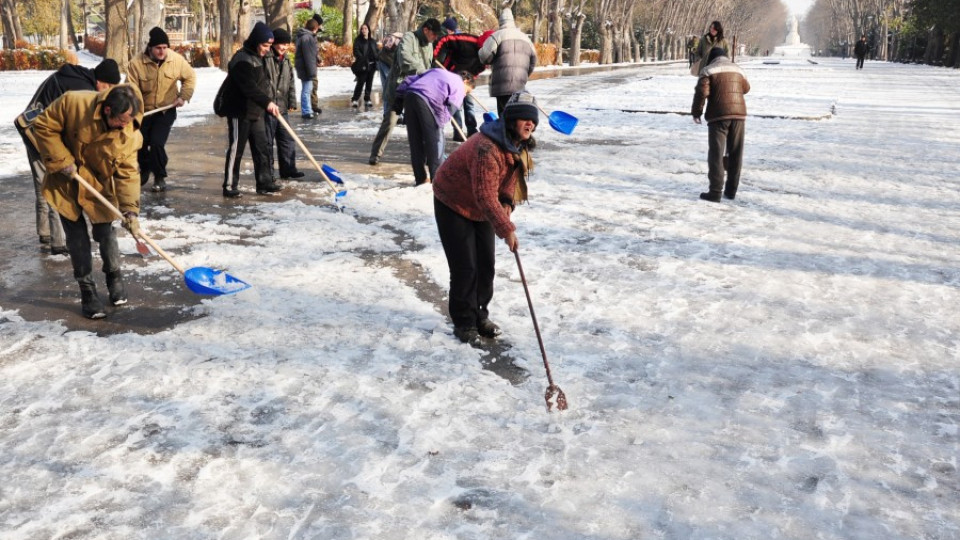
pixel 538 21
pixel 64 25
pixel 374 12
pixel 227 10
pixel 576 35
pixel 348 23
pixel 117 44
pixel 243 21
pixel 556 29
pixel 277 14
pixel 606 43
pixel 8 11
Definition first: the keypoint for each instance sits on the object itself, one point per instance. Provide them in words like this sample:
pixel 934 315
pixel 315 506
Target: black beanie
pixel 158 37
pixel 281 36
pixel 714 53
pixel 522 106
pixel 107 71
pixel 260 34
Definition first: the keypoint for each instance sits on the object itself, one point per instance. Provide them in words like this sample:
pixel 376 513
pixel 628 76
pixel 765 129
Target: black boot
pixel 488 328
pixel 90 304
pixel 710 196
pixel 118 296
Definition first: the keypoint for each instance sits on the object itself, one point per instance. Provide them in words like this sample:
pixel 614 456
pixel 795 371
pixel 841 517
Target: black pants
pixel 78 244
pixel 239 132
pixel 725 134
pixel 425 137
pixel 501 103
pixel 470 250
pixel 364 80
pixel 860 61
pixel 286 147
pixel 152 156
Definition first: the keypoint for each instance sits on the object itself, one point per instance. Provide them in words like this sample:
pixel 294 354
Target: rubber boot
pixel 118 296
pixel 90 304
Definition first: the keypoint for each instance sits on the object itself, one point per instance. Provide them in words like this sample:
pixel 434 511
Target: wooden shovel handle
pixel 307 152
pixel 161 109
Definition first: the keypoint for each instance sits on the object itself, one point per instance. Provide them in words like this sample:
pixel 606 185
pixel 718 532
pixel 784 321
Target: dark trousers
pixel 470 250
pixel 468 117
pixel 286 146
pixel 48 220
pixel 239 132
pixel 425 137
pixel 860 61
pixel 152 156
pixel 78 244
pixel 383 134
pixel 364 83
pixel 725 134
pixel 501 103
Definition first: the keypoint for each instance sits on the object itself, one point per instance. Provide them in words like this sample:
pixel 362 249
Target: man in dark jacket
pixel 68 77
pixel 459 52
pixel 861 49
pixel 722 84
pixel 305 60
pixel 283 92
pixel 246 96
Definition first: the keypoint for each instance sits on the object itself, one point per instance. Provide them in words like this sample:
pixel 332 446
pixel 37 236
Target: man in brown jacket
pixel 156 73
pixel 722 84
pixel 96 136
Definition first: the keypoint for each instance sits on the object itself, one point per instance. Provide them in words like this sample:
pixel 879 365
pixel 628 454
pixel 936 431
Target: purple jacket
pixel 442 90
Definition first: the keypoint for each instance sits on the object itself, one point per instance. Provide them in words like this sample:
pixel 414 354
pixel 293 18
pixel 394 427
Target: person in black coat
pixel 460 52
pixel 245 98
pixel 860 49
pixel 364 66
pixel 68 77
pixel 283 92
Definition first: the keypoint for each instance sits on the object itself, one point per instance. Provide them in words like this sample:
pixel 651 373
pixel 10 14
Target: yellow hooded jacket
pixel 73 130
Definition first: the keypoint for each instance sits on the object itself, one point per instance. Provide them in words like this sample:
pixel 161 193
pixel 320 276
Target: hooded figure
pixel 512 59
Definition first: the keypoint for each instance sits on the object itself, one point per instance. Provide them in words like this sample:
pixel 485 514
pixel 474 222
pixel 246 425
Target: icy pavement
pixel 782 366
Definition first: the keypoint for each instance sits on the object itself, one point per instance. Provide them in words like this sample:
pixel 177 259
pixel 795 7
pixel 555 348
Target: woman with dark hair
pixel 364 66
pixel 713 38
pixel 475 192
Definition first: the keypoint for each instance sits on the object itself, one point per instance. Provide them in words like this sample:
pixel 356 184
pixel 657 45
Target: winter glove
pixel 131 224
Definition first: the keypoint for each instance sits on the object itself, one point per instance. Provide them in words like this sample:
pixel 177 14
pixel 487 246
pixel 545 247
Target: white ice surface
pixel 782 366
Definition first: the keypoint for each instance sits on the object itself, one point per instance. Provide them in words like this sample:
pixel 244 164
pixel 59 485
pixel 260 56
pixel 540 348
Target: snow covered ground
pixel 781 366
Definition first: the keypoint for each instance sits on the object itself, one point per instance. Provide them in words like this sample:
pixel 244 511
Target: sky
pixel 779 366
pixel 798 7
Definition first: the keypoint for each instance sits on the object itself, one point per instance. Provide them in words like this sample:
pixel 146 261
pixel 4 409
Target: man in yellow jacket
pixel 96 136
pixel 156 73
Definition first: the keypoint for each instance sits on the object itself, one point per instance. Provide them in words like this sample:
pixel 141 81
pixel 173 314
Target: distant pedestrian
pixel 713 38
pixel 96 136
pixel 305 60
pixel 157 73
pixel 512 59
pixel 428 101
pixel 364 66
pixel 475 193
pixel 68 77
pixel 860 50
pixel 722 85
pixel 245 97
pixel 461 52
pixel 283 92
pixel 314 98
pixel 414 55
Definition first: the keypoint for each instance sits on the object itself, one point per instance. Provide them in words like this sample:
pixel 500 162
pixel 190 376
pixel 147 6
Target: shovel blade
pixel 143 249
pixel 203 280
pixel 332 174
pixel 563 122
pixel 489 116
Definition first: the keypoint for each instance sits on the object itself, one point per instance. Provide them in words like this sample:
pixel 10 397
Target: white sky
pixel 781 366
pixel 798 7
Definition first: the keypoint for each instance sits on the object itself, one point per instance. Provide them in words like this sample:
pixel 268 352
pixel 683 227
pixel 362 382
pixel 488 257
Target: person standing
pixel 156 73
pixel 305 60
pixel 428 101
pixel 68 77
pixel 860 50
pixel 283 92
pixel 722 85
pixel 364 66
pixel 460 52
pixel 96 136
pixel 713 38
pixel 512 59
pixel 414 55
pixel 475 192
pixel 388 51
pixel 245 98
pixel 314 98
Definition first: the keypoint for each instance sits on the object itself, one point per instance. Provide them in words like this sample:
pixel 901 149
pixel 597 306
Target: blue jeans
pixel 305 108
pixel 384 71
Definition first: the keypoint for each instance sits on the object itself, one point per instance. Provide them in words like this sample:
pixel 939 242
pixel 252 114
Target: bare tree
pixel 64 25
pixel 374 12
pixel 227 10
pixel 117 38
pixel 577 17
pixel 555 34
pixel 277 14
pixel 347 35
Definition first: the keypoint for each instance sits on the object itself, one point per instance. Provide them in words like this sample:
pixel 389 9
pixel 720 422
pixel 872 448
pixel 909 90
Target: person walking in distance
pixel 364 66
pixel 428 102
pixel 245 96
pixel 475 193
pixel 157 73
pixel 283 92
pixel 96 136
pixel 860 50
pixel 414 55
pixel 68 77
pixel 512 59
pixel 305 60
pixel 722 85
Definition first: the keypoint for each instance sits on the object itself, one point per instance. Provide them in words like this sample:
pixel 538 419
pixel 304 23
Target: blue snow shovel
pixel 488 115
pixel 561 121
pixel 199 279
pixel 327 172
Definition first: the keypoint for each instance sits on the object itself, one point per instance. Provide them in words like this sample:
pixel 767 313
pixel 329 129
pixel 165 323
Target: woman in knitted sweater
pixel 475 191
